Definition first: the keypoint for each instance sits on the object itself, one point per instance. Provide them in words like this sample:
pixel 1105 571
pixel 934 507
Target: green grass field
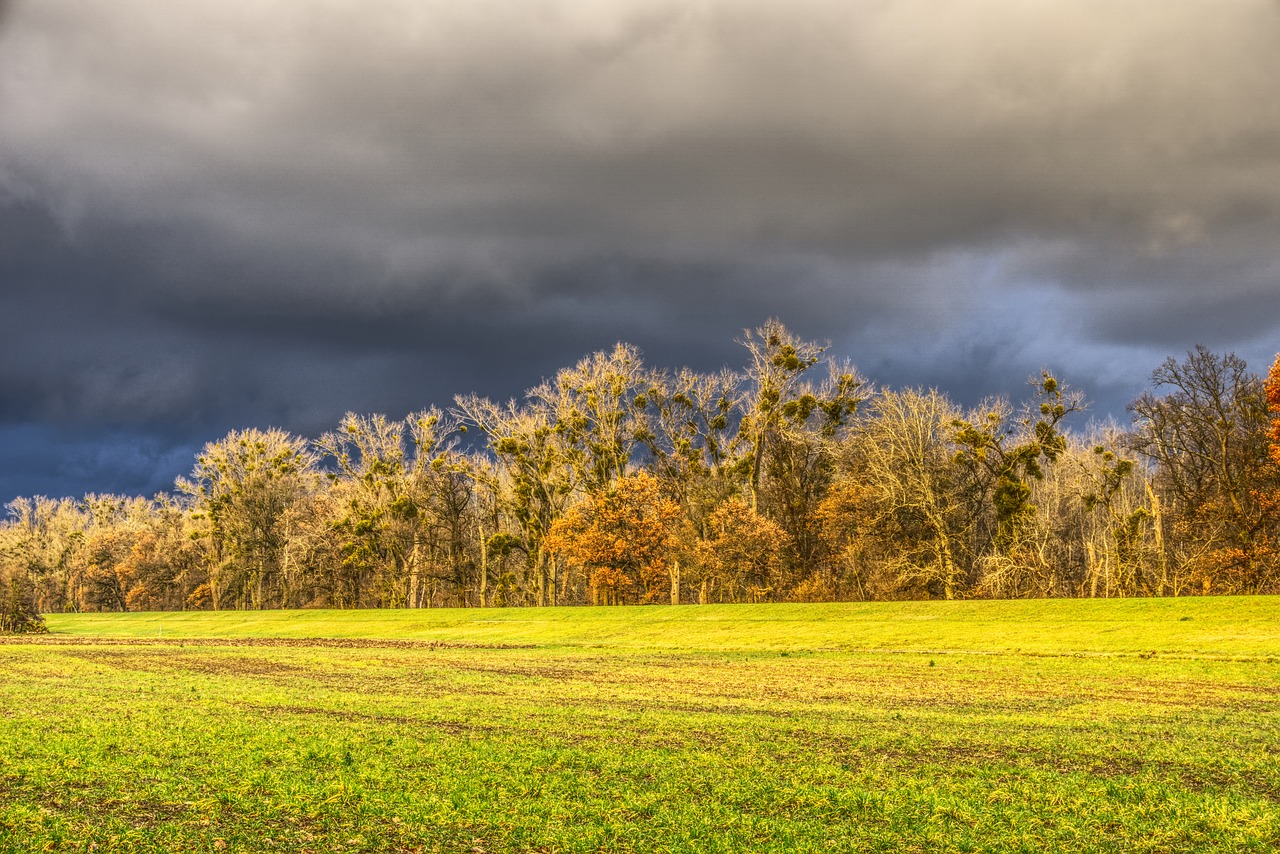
pixel 1136 725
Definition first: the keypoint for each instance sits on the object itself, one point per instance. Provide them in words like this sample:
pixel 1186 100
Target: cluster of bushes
pixel 18 611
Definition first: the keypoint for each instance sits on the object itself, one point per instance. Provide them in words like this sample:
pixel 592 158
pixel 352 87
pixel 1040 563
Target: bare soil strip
pixel 331 643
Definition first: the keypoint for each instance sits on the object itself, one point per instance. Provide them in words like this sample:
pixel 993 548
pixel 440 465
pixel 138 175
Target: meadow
pixel 1116 725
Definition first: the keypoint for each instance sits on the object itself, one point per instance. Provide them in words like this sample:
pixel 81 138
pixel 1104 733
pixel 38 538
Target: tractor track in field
pixel 327 643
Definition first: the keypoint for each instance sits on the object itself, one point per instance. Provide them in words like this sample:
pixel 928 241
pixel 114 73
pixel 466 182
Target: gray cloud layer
pixel 227 213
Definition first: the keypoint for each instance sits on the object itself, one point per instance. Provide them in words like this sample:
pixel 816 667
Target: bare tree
pixel 1207 437
pixel 907 459
pixel 247 488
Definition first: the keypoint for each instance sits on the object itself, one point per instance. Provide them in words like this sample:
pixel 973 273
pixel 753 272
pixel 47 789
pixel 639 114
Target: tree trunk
pixel 484 564
pixel 540 576
pixel 1157 519
pixel 261 585
pixel 945 558
pixel 757 461
pixel 1093 569
pixel 414 597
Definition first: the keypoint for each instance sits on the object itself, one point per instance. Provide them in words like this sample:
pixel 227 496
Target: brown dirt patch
pixel 326 643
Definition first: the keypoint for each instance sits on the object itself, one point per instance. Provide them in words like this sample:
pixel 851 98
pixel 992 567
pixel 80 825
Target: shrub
pixel 18 611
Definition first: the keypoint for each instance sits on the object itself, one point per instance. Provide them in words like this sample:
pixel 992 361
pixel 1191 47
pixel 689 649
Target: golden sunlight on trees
pixel 1001 459
pixel 535 465
pixel 778 362
pixel 626 540
pixel 252 491
pixel 741 557
pixel 401 504
pixel 920 514
pixel 1273 406
pixel 1207 436
pixel 792 479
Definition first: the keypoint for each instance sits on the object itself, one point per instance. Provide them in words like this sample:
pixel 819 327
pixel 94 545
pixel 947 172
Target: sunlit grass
pixel 1226 626
pixel 975 726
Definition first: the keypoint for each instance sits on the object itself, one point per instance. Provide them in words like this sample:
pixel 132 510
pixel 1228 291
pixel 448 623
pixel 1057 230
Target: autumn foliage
pixel 612 482
pixel 1273 406
pixel 742 556
pixel 626 539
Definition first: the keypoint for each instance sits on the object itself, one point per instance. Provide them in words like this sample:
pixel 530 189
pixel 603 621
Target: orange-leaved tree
pixel 1269 499
pixel 741 556
pixel 1273 405
pixel 626 539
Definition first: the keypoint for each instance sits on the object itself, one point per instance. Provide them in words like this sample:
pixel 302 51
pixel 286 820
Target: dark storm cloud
pixel 40 460
pixel 233 213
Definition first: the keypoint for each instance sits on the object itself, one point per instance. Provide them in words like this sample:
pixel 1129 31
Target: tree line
pixel 792 479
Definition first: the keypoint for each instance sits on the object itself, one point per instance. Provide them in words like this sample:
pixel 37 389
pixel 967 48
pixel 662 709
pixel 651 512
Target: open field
pixel 1148 725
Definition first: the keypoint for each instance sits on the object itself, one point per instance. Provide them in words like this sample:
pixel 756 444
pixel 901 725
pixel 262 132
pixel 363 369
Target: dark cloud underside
pixel 217 215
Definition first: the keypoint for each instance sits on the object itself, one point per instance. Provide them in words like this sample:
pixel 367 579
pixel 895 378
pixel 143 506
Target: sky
pixel 220 214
